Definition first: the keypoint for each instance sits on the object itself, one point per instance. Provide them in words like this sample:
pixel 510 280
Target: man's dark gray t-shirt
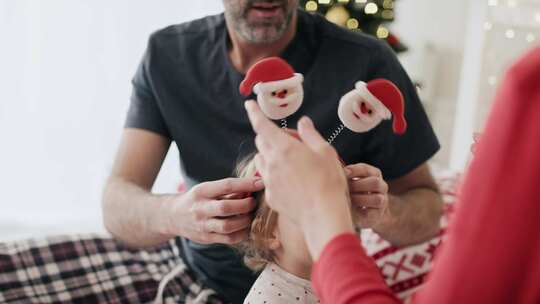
pixel 186 89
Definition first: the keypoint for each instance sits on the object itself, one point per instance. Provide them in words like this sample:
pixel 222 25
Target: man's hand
pixel 369 194
pixel 213 212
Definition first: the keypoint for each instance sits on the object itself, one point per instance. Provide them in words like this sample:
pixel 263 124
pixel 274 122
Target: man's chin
pixel 266 25
pixel 263 36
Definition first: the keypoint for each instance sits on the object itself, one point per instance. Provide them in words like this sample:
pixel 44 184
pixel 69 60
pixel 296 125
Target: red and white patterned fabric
pixel 404 269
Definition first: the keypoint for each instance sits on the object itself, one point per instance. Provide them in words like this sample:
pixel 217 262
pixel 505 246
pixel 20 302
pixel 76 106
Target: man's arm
pixel 414 209
pixel 404 211
pixel 141 219
pixel 129 209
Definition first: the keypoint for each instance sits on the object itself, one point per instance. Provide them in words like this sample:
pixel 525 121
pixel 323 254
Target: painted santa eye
pixel 273 93
pixel 285 92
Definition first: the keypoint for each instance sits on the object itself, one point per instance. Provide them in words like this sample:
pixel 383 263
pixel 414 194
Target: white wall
pixel 435 32
pixel 65 71
pixel 489 51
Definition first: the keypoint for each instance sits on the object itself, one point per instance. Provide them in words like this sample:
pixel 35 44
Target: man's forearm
pixel 132 214
pixel 413 217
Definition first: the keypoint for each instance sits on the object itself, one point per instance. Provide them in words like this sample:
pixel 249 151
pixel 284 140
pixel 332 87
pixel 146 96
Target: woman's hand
pixel 304 179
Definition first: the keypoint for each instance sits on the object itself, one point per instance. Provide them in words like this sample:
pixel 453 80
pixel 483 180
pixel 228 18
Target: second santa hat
pixel 387 94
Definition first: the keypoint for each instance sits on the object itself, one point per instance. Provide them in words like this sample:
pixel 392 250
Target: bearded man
pixel 186 91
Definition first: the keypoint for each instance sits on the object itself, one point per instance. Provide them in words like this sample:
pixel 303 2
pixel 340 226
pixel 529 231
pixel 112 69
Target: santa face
pixel 282 98
pixel 360 111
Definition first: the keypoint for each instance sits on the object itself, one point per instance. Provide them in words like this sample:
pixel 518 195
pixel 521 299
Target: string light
pixel 388 4
pixel 311 6
pixel 359 15
pixel 382 32
pixel 371 8
pixel 521 36
pixel 510 34
pixel 352 24
pixel 338 14
pixel 388 14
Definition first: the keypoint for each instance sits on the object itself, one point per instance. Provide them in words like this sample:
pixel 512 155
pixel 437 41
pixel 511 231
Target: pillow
pixel 405 268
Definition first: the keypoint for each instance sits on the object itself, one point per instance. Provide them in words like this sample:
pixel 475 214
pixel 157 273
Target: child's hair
pixel 255 248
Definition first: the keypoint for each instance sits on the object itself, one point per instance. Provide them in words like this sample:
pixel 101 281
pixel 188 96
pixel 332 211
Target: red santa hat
pixel 387 94
pixel 267 70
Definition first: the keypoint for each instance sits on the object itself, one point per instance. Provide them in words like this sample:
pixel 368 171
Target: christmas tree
pixel 368 16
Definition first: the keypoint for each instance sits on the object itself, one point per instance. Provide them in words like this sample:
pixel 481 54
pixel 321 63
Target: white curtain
pixel 65 71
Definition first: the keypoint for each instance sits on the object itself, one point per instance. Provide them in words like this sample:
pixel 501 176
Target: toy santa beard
pixel 279 89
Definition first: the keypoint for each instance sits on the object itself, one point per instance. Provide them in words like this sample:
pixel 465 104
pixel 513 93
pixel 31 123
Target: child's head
pixel 272 238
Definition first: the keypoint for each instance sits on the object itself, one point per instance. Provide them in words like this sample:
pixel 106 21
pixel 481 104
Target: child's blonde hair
pixel 255 248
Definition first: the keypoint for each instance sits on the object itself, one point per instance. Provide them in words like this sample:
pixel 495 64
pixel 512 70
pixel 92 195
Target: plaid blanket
pixel 95 269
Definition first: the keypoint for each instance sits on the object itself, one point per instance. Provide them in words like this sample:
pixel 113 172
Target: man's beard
pixel 260 32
